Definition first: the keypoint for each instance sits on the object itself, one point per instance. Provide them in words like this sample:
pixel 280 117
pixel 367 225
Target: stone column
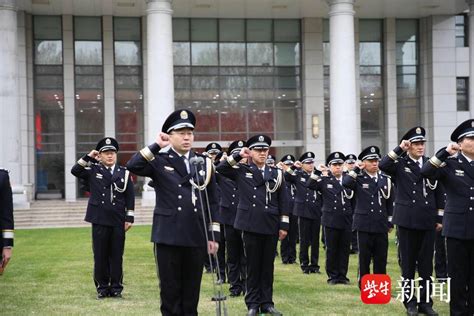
pixel 345 125
pixel 10 120
pixel 390 86
pixel 109 84
pixel 160 81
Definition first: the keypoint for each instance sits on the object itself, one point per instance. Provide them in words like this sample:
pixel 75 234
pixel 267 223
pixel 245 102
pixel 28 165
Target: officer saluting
pixel 415 215
pixel 349 165
pixel 261 215
pixel 457 175
pixel 372 211
pixel 177 233
pixel 308 209
pixel 288 245
pixel 229 199
pixel 6 219
pixel 110 210
pixel 336 217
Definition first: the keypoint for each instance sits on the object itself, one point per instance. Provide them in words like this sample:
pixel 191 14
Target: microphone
pixel 196 160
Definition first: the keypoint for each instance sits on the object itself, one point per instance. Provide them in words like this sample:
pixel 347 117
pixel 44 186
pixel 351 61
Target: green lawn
pixel 51 273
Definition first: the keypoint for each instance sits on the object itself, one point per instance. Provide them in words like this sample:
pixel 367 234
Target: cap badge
pixel 241 143
pixel 261 139
pixel 288 157
pixel 107 141
pixel 213 145
pixel 183 115
pixel 336 155
pixel 372 149
pixel 418 130
pixel 472 124
pixel 309 155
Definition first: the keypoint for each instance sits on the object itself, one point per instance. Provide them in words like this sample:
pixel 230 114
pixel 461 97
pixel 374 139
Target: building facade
pixel 315 75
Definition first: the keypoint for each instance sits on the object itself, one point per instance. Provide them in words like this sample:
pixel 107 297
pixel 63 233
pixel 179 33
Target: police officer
pixel 6 219
pixel 336 216
pixel 177 233
pixel 457 175
pixel 262 215
pixel 349 165
pixel 308 209
pixel 372 211
pixel 110 210
pixel 288 245
pixel 270 161
pixel 229 199
pixel 213 150
pixel 415 215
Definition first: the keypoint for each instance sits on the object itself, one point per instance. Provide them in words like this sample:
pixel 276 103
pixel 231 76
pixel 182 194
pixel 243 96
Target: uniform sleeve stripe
pixel 353 174
pixel 215 227
pixel 82 162
pixel 130 213
pixel 314 176
pixel 231 160
pixel 393 155
pixel 285 219
pixel 147 154
pixel 8 234
pixel 291 171
pixel 435 161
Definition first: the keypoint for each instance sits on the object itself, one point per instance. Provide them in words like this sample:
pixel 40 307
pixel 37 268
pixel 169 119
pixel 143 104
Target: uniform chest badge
pixel 459 173
pixel 169 169
pixel 329 186
pixel 303 180
pixel 202 173
pixel 99 176
pixel 408 170
pixel 365 185
pixel 249 175
pixel 122 180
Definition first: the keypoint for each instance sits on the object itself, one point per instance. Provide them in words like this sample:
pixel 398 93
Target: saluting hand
pixel 94 154
pixel 361 165
pixel 324 170
pixel 405 144
pixel 244 152
pixel 224 156
pixel 163 140
pixel 298 164
pixel 453 148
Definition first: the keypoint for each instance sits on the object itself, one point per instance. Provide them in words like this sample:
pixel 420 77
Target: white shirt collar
pixel 467 158
pixel 419 160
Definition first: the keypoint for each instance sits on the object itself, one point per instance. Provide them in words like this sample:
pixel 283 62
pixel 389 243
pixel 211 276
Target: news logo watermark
pixel 377 289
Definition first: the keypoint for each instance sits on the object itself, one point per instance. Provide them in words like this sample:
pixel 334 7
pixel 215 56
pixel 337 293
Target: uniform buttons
pixel 472 197
pixel 307 193
pixel 180 197
pixel 233 203
pixel 233 195
pixel 414 192
pixel 114 196
pixel 195 210
pixel 335 201
pixel 113 203
pixel 103 194
pixel 371 202
pixel 253 205
pixel 307 200
pixel 254 196
pixel 426 202
pixel 105 188
pixel 380 211
pixel 470 208
pixel 413 201
pixel 255 188
pixel 102 202
pixel 179 208
pixel 472 188
pixel 343 208
pixel 235 189
pixel 414 183
pixel 334 207
pixel 179 185
pixel 371 210
pixel 266 206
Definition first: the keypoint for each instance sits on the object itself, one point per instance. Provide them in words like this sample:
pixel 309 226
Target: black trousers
pixel 309 229
pixel 288 245
pixel 260 253
pixel 179 271
pixel 108 244
pixel 461 272
pixel 354 245
pixel 416 248
pixel 338 243
pixel 221 273
pixel 441 271
pixel 372 246
pixel 236 261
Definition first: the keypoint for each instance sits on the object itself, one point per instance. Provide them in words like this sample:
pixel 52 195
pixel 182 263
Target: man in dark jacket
pixel 110 210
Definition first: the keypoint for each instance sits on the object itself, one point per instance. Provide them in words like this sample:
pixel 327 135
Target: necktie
pixel 110 170
pixel 186 162
pixel 419 164
pixel 263 172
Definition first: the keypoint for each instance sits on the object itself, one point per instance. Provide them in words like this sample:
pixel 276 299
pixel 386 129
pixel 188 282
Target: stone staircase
pixel 57 213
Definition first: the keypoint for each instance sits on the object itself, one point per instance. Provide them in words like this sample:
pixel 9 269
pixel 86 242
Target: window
pixel 48 105
pixel 462 92
pixel 407 46
pixel 240 77
pixel 326 83
pixel 462 39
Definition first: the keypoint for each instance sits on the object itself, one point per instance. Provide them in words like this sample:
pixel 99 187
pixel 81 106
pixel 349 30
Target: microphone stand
pixel 219 297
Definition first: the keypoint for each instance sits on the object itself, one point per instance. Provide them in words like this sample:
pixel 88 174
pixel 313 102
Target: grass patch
pixel 51 273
